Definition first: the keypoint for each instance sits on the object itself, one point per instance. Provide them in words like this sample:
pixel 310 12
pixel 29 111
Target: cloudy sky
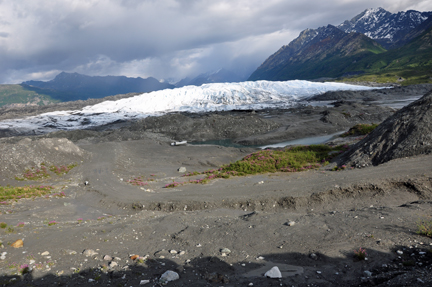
pixel 166 39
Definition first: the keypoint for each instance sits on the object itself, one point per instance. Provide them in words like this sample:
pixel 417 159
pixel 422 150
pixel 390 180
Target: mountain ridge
pixel 332 52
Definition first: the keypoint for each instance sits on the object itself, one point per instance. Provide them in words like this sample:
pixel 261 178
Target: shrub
pixel 359 129
pixel 360 254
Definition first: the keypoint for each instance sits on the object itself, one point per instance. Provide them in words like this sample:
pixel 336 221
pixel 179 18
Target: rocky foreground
pixel 109 220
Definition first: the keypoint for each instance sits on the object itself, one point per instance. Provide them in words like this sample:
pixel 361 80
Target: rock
pixel 290 223
pixel 182 252
pixel 17 244
pixel 107 258
pixel 112 264
pixel 46 253
pixel 399 252
pixel 134 257
pixel 173 252
pixel 273 273
pixel 313 256
pixel 89 252
pixel 169 276
pixel 225 251
pixel 182 169
pixel 367 273
pixel 143 282
pixel 69 252
pixel 3 256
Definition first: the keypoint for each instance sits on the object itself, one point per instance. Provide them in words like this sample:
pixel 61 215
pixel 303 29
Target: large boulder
pixel 406 133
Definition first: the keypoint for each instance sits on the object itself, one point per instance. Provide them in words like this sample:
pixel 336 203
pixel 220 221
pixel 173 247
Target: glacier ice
pixel 205 98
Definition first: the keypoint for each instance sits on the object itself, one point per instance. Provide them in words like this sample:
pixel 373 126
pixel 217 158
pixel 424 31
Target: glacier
pixel 206 98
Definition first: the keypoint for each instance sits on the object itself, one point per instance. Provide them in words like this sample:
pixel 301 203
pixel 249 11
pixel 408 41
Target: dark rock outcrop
pixel 406 133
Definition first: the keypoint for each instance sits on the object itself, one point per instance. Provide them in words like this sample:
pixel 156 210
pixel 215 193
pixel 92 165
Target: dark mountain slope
pixel 325 52
pixel 74 86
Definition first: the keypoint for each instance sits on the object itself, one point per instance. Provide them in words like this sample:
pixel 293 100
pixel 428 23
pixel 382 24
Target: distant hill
pixel 376 45
pixel 220 76
pixel 18 96
pixel 73 86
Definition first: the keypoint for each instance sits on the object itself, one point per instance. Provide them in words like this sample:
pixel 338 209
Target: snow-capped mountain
pixel 208 97
pixel 349 48
pixel 384 27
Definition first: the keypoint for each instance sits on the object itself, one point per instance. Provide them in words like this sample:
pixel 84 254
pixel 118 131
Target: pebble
pixel 400 252
pixel 273 273
pixel 291 223
pixel 3 256
pixel 143 282
pixel 182 252
pixel 182 169
pixel 45 253
pixel 112 264
pixel 368 273
pixel 169 276
pixel 173 251
pixel 313 256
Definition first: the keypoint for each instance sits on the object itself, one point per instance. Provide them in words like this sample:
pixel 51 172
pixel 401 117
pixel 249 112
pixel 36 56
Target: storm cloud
pixel 160 38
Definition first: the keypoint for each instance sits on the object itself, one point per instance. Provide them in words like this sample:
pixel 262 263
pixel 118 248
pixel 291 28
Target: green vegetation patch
pixel 359 129
pixel 42 172
pixel 15 193
pixel 424 227
pixel 292 159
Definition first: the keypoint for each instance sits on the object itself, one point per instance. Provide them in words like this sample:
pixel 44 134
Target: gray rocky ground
pixel 229 232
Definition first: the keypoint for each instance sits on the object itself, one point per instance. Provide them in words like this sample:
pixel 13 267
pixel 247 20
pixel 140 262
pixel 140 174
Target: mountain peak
pixel 384 27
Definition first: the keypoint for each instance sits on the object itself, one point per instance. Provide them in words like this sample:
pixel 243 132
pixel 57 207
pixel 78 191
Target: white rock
pixel 91 280
pixel 113 264
pixel 273 273
pixel 367 273
pixel 143 282
pixel 107 258
pixel 45 253
pixel 399 252
pixel 89 252
pixel 291 223
pixel 182 169
pixel 173 251
pixel 169 276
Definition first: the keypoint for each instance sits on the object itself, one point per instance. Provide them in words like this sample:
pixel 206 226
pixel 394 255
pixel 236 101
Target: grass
pixel 424 227
pixel 359 129
pixel 292 159
pixel 42 172
pixel 15 193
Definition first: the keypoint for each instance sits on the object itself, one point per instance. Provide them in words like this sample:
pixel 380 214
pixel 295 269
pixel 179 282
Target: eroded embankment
pixel 356 196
